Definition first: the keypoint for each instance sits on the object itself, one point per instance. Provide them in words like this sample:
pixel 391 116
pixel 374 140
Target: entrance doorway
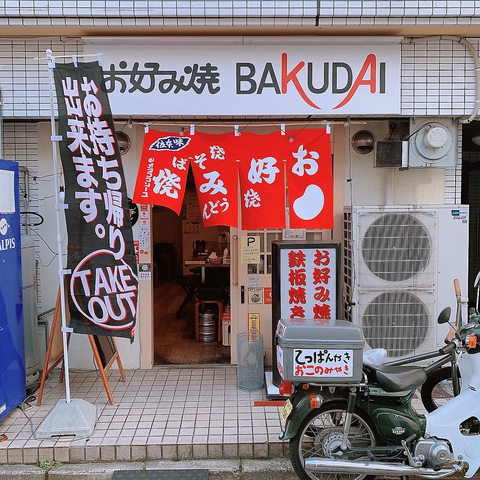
pixel 177 287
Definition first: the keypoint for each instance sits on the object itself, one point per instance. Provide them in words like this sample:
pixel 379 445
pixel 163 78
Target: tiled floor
pixel 174 337
pixel 163 413
pixel 169 412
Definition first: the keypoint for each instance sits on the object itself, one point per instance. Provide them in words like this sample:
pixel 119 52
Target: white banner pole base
pixel 75 418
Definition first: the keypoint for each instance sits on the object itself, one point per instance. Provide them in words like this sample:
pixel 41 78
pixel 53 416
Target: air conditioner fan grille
pixel 396 321
pixel 396 247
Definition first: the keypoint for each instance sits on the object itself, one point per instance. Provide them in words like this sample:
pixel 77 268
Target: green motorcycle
pixel 345 419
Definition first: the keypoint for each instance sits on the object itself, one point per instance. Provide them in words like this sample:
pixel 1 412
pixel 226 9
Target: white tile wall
pixel 438 77
pixel 165 9
pixel 453 177
pixel 422 12
pixel 20 145
pixel 24 80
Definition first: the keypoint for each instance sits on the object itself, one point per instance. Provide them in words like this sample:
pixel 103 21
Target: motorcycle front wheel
pixel 437 389
pixel 320 435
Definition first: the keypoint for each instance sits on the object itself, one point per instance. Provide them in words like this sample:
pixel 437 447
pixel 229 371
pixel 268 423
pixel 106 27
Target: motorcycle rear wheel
pixel 321 432
pixel 437 389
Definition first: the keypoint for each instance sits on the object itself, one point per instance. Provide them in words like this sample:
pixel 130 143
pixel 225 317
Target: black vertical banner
pixel 103 281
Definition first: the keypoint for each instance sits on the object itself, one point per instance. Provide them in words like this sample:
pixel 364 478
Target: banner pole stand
pixel 67 417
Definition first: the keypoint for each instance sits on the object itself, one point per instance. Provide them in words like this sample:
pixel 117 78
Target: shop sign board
pixel 305 285
pixel 308 285
pixel 238 79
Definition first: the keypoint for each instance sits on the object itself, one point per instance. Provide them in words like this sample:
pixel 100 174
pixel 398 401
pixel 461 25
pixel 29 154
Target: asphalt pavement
pixel 236 469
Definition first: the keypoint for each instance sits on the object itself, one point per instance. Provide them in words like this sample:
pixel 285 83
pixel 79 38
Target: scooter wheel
pixel 321 435
pixel 437 389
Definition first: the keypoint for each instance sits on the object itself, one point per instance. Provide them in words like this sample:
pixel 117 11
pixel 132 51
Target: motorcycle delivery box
pixel 319 351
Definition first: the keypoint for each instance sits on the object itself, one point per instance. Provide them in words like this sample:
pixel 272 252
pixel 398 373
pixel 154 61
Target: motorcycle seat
pixel 395 378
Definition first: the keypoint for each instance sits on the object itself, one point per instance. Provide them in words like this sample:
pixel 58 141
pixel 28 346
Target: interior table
pixel 203 265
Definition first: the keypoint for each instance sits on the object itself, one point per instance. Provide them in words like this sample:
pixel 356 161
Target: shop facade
pixel 369 92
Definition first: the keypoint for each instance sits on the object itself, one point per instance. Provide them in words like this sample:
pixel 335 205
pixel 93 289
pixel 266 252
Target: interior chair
pixel 164 260
pixel 189 283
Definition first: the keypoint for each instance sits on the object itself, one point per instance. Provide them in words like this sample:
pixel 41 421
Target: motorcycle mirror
pixel 444 316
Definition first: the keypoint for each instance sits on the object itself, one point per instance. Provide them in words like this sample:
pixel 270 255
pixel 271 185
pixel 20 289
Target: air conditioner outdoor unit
pixel 400 263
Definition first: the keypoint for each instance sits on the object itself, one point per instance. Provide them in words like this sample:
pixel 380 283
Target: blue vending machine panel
pixel 12 353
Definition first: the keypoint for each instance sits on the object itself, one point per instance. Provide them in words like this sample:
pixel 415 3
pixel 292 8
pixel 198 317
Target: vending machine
pixel 12 358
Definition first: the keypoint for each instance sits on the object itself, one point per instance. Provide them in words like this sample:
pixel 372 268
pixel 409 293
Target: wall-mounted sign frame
pixel 249 77
pixel 306 284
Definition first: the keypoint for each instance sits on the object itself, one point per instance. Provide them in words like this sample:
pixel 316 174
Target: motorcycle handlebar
pixel 448 348
pixel 456 285
pixel 450 335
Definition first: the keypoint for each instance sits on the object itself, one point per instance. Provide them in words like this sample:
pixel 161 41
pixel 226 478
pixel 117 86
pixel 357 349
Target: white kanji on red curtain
pixel 260 161
pixel 262 184
pixel 310 179
pixel 163 170
pixel 215 174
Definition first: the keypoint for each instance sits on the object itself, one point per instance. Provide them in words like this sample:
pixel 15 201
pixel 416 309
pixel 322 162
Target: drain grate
pixel 193 474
